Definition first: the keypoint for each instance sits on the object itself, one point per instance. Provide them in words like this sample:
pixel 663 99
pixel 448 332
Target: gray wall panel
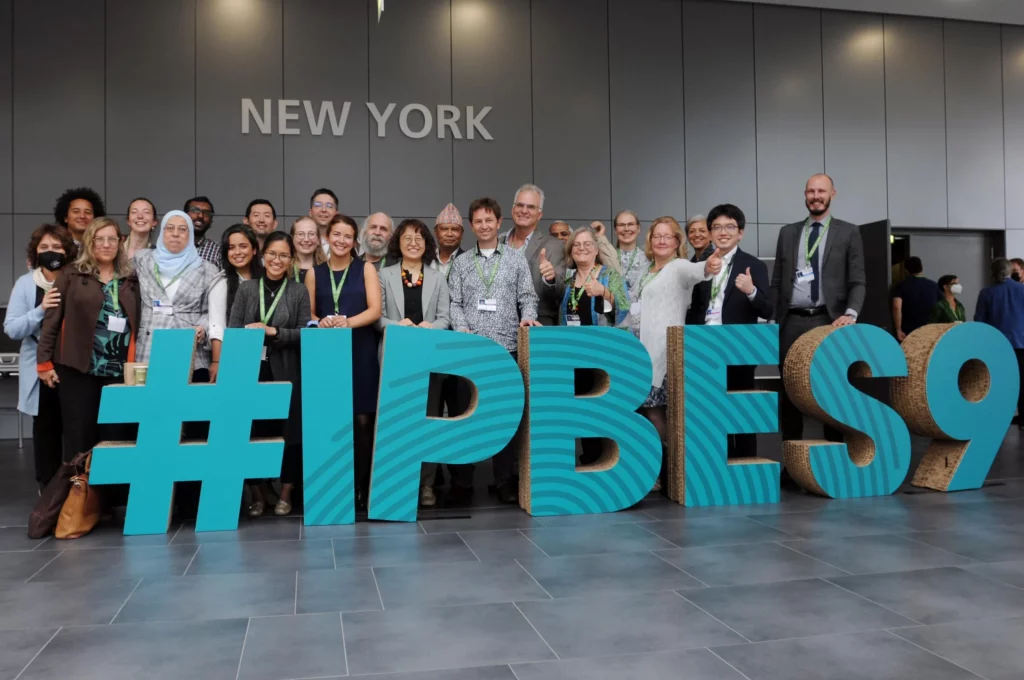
pixel 58 131
pixel 648 159
pixel 1013 124
pixel 318 68
pixel 18 230
pixel 491 67
pixel 14 255
pixel 150 103
pixel 572 154
pixel 238 54
pixel 974 126
pixel 767 240
pixel 790 146
pixel 721 142
pixel 410 176
pixel 853 70
pixel 915 122
pixel 6 106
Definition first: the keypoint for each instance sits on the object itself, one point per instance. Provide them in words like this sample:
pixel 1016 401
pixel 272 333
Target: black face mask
pixel 1015 276
pixel 51 260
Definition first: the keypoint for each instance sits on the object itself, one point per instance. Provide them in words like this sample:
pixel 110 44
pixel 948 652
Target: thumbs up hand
pixel 744 283
pixel 547 270
pixel 713 265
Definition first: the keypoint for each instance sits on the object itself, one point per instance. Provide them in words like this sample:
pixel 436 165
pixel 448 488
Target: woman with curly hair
pixel 76 209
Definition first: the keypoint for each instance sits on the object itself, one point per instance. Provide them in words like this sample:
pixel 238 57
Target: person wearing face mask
pixel 949 309
pixel 76 209
pixel 200 211
pixel 1017 272
pixel 239 262
pixel 308 253
pixel 345 292
pixel 141 223
pixel 33 294
pixel 281 311
pixel 89 335
pixel 374 237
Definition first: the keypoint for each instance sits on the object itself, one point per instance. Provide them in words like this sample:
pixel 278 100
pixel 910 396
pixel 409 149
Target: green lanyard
pixel 811 250
pixel 336 287
pixel 648 277
pixel 480 271
pixel 574 299
pixel 716 287
pixel 265 313
pixel 114 297
pixel 632 259
pixel 958 314
pixel 165 286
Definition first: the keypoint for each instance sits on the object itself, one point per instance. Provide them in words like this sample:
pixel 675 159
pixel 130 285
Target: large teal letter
pixel 557 417
pixel 407 437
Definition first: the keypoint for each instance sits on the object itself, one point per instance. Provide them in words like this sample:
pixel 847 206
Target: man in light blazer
pixel 544 253
pixel 818 280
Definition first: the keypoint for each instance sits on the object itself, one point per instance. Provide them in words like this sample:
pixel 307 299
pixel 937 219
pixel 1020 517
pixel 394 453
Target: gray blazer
pixel 549 295
pixel 190 302
pixel 290 317
pixel 843 281
pixel 436 300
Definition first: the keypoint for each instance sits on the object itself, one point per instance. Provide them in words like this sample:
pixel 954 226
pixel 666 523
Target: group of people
pixel 94 294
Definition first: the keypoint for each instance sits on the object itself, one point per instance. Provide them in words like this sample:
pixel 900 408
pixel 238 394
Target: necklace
pixel 407 279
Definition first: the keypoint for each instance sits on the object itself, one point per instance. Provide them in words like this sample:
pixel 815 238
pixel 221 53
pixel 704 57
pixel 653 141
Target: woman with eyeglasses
pixel 344 292
pixel 141 223
pixel 89 335
pixel 308 252
pixel 277 305
pixel 632 260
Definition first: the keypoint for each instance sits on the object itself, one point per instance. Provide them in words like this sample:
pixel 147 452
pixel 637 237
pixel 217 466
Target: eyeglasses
pixel 731 228
pixel 279 257
pixel 412 241
pixel 526 206
pixel 200 211
pixel 582 246
pixel 324 204
pixel 106 240
pixel 627 224
pixel 664 237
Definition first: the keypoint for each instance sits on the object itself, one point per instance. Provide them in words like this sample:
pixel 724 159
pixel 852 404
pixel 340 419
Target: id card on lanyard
pixel 267 314
pixel 116 323
pixel 337 286
pixel 487 303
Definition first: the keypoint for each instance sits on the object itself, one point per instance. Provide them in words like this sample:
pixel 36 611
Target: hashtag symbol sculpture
pixel 169 399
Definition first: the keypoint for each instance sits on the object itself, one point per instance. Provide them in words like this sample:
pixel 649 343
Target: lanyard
pixel 480 271
pixel 336 287
pixel 114 297
pixel 574 299
pixel 957 313
pixel 265 313
pixel 648 277
pixel 716 286
pixel 632 259
pixel 811 250
pixel 165 286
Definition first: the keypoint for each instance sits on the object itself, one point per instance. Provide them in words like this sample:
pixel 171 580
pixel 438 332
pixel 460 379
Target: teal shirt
pixel 109 349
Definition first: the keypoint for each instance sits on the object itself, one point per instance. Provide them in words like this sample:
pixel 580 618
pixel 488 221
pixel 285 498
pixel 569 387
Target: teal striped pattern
pixel 328 473
pixel 833 470
pixel 982 423
pixel 711 414
pixel 159 459
pixel 558 418
pixel 406 438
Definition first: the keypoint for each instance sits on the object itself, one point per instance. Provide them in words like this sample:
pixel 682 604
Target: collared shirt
pixel 802 289
pixel 446 267
pixel 209 250
pixel 511 289
pixel 722 281
pixel 634 264
pixel 526 243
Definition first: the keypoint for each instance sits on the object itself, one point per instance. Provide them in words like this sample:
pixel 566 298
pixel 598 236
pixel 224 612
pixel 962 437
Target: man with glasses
pixel 739 293
pixel 545 254
pixel 200 211
pixel 323 206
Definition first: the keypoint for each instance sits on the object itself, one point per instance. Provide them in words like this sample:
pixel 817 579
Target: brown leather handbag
pixel 81 511
pixel 43 519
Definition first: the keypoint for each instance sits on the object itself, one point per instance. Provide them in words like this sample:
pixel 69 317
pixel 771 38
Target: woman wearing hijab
pixel 175 284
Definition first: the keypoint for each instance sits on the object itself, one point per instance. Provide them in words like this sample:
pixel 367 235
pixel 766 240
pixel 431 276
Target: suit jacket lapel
pixel 737 261
pixel 534 245
pixel 830 238
pixel 394 278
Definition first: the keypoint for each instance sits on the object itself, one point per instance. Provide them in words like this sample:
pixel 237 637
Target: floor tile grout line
pixel 241 655
pixel 41 543
pixel 466 543
pixel 114 617
pixel 765 524
pixel 691 602
pixel 727 663
pixel 532 542
pixel 295 608
pixel 878 604
pixel 936 654
pixel 986 577
pixel 344 645
pixel 48 563
pixel 516 560
pixel 377 586
pixel 676 566
pixel 816 559
pixel 194 555
pixel 951 552
pixel 514 674
pixel 536 631
pixel 36 655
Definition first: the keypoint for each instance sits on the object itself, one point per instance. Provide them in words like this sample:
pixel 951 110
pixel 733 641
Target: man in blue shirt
pixel 913 299
pixel 1002 305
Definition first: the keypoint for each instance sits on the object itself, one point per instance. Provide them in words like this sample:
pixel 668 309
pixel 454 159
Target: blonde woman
pixel 308 253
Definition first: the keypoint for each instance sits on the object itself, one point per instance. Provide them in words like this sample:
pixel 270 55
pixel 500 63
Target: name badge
pixel 116 324
pixel 487 305
pixel 160 308
pixel 634 309
pixel 805 275
pixel 572 319
pixel 263 357
pixel 713 317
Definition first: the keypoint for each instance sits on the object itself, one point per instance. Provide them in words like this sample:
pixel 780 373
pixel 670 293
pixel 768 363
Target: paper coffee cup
pixel 140 375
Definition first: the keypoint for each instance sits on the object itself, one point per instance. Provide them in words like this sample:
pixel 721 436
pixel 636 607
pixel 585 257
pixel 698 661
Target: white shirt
pixel 722 280
pixel 218 308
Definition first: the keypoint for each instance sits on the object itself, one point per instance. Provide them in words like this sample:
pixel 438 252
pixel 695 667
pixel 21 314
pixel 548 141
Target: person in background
pixel 448 231
pixel 374 237
pixel 1018 269
pixel 632 261
pixel 48 251
pixel 560 230
pixel 141 223
pixel 344 292
pixel 544 254
pixel 308 253
pixel 76 209
pixel 1002 305
pixel 281 312
pixel 200 211
pixel 492 294
pixel 262 217
pixel 239 262
pixel 606 253
pixel 662 297
pixel 89 335
pixel 413 293
pixel 948 309
pixel 913 299
pixel 323 206
pixel 699 237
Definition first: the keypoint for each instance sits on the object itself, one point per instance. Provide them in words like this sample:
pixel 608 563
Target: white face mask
pixel 956 289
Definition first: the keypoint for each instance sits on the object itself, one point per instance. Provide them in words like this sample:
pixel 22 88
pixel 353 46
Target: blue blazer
pixel 1002 306
pixel 23 322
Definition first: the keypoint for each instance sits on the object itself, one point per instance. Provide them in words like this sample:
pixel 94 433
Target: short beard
pixel 371 250
pixel 828 204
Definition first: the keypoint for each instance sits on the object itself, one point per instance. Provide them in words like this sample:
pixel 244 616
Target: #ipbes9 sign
pixel 954 383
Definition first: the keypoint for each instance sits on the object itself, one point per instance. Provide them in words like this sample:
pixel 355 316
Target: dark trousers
pixel 791 419
pixel 503 463
pixel 1020 369
pixel 290 429
pixel 47 435
pixel 741 378
pixel 80 408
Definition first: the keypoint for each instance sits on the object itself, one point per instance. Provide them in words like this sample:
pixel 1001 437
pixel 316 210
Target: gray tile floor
pixel 918 584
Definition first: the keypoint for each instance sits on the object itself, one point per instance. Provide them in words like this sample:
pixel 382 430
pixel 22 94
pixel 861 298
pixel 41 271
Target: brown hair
pixel 676 230
pixel 86 263
pixel 56 231
pixel 487 203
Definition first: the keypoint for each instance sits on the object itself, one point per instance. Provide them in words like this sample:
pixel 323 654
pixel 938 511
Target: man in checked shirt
pixel 492 294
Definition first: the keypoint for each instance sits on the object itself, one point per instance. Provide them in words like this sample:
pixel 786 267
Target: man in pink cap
pixel 448 232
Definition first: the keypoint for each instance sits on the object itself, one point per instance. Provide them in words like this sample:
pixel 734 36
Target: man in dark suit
pixel 1002 305
pixel 739 294
pixel 818 280
pixel 544 253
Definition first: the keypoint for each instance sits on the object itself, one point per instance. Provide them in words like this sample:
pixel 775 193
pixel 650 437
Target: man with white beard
pixel 374 238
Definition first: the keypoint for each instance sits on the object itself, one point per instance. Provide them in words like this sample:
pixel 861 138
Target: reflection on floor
pixel 922 584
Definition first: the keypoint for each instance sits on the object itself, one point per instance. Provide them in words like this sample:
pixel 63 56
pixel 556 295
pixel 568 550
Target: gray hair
pixel 530 187
pixel 366 222
pixel 696 218
pixel 1001 268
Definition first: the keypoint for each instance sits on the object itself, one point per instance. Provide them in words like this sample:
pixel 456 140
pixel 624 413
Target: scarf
pixel 40 280
pixel 172 264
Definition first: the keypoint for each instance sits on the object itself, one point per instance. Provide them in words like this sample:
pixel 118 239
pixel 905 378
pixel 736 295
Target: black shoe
pixel 459 497
pixel 508 493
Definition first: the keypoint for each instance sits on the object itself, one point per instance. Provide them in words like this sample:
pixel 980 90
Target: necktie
pixel 815 267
